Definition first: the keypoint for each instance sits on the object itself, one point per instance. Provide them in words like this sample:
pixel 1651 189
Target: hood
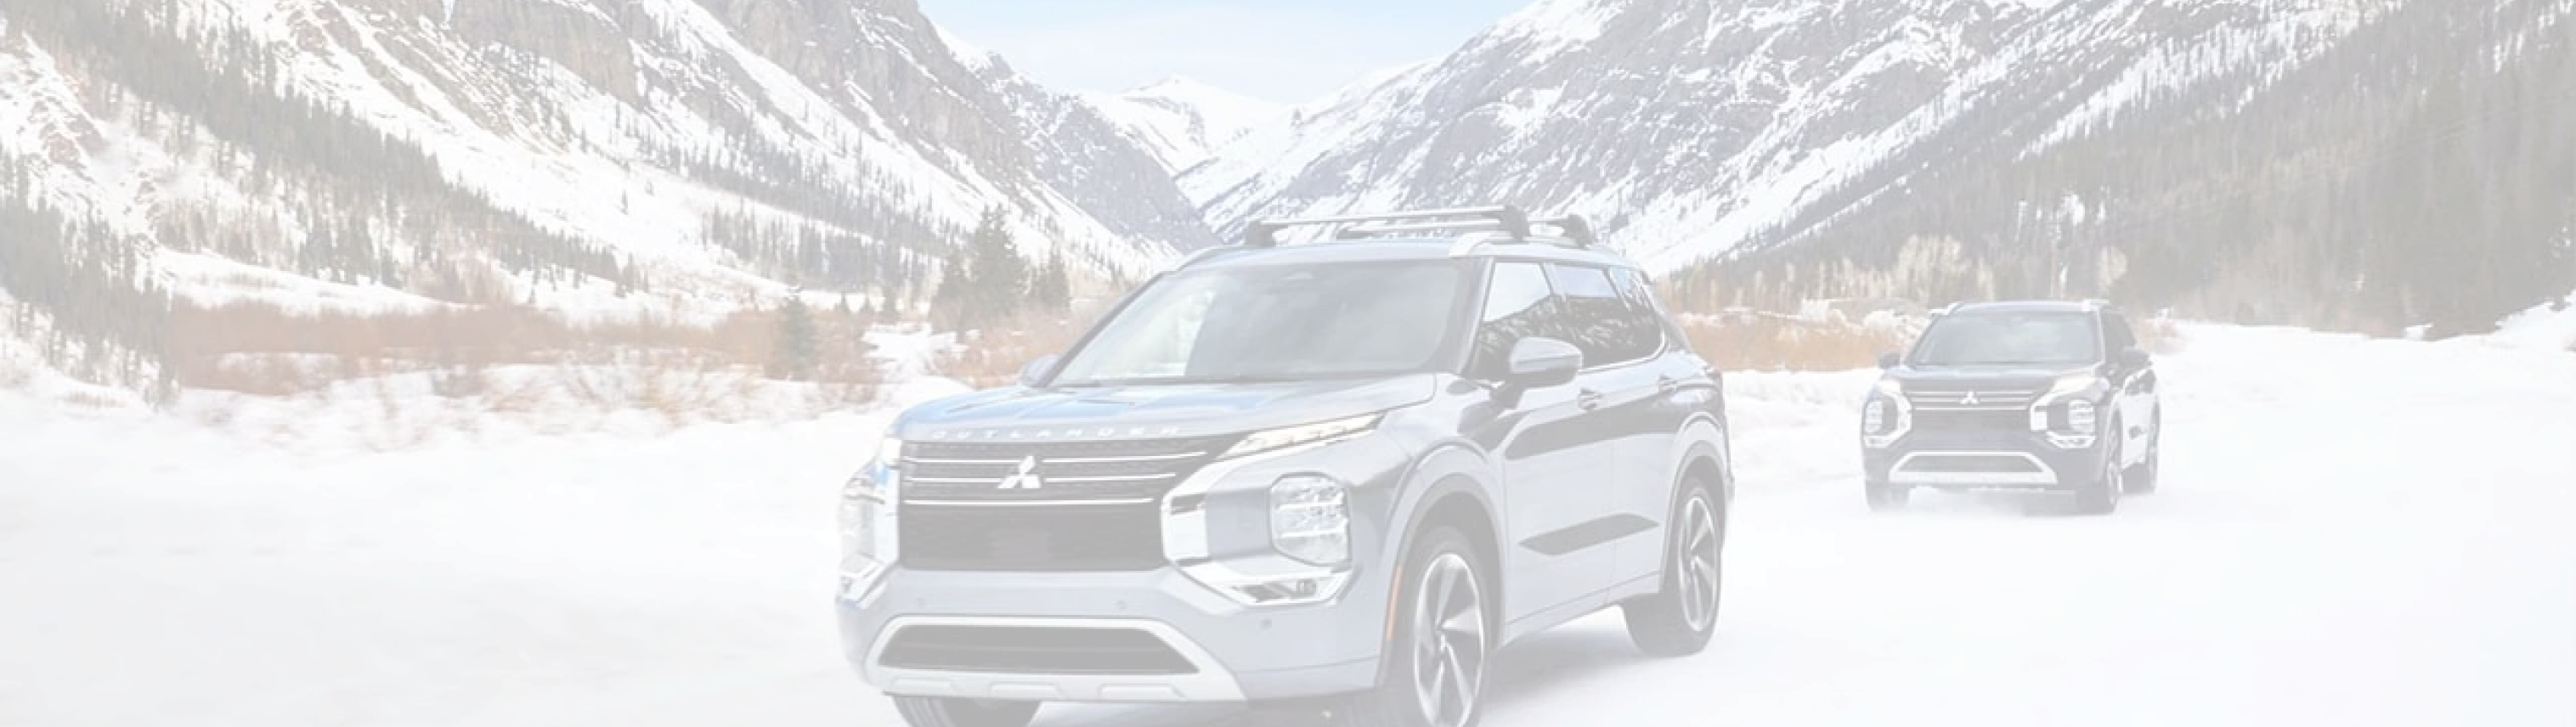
pixel 1983 377
pixel 1186 410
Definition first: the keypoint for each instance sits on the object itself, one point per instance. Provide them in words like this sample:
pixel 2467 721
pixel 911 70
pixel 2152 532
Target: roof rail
pixel 1505 219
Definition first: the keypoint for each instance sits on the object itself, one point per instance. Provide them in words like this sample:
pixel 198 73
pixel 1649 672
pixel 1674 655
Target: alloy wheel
pixel 1450 642
pixel 1699 575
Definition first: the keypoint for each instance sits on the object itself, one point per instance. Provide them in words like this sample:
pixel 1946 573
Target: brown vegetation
pixel 261 349
pixel 1761 342
pixel 993 356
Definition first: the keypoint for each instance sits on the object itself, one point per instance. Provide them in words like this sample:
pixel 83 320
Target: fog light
pixel 1310 519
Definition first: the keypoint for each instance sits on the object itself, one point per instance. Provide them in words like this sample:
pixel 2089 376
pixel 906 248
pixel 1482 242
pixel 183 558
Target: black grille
pixel 1034 650
pixel 1972 464
pixel 1032 537
pixel 1959 398
pixel 1982 420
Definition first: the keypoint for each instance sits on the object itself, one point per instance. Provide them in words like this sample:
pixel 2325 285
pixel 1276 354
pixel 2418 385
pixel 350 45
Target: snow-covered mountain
pixel 1694 128
pixel 1098 160
pixel 675 154
pixel 1182 121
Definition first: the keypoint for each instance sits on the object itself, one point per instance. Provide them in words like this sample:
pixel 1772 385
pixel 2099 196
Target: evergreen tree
pixel 1053 289
pixel 795 358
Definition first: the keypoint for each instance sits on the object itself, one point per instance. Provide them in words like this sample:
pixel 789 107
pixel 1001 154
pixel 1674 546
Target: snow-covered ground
pixel 2351 532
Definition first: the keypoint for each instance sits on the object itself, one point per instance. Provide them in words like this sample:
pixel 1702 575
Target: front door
pixel 1546 452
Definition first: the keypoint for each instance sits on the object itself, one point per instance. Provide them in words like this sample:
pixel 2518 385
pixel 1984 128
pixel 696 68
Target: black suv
pixel 2044 395
pixel 1337 475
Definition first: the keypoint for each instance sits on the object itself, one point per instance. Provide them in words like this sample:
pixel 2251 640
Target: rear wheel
pixel 2101 495
pixel 956 712
pixel 1444 642
pixel 1884 497
pixel 1679 620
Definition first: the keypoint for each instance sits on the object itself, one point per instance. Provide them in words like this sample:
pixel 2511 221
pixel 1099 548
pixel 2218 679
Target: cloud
pixel 1268 53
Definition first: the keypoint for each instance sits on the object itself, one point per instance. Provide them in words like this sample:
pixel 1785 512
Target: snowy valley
pixel 2396 559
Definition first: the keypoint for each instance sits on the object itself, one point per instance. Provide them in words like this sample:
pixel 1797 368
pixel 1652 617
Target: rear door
pixel 2136 398
pixel 1627 428
pixel 1542 449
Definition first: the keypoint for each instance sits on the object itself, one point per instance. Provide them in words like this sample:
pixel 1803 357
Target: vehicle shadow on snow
pixel 1990 502
pixel 1558 662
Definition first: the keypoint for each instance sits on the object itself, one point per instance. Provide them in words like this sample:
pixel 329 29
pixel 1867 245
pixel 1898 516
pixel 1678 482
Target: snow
pixel 2350 532
pixel 1181 120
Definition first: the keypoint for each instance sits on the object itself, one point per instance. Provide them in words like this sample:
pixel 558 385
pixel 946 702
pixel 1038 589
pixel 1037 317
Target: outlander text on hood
pixel 1338 474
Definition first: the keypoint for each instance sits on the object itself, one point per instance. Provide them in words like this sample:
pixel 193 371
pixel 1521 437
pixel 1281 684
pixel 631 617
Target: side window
pixel 1600 320
pixel 1642 304
pixel 1518 302
pixel 2116 335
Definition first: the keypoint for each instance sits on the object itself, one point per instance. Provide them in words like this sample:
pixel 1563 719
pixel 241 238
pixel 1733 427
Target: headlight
pixel 2066 414
pixel 1283 437
pixel 864 501
pixel 1873 416
pixel 1885 417
pixel 1310 519
pixel 2079 416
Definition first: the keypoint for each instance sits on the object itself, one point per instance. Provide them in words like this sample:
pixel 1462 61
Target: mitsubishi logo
pixel 1027 478
pixel 1969 400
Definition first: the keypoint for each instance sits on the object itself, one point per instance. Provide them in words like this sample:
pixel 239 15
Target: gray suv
pixel 1336 475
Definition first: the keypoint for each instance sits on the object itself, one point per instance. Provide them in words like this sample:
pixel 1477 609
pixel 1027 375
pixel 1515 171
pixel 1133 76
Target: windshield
pixel 2009 339
pixel 1277 323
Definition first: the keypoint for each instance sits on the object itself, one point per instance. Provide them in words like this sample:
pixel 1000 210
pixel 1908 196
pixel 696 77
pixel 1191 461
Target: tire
pixel 956 712
pixel 2101 494
pixel 1884 497
pixel 1679 620
pixel 1436 676
pixel 2141 479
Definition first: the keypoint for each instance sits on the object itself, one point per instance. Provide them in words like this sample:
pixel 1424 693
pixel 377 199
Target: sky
pixel 1285 51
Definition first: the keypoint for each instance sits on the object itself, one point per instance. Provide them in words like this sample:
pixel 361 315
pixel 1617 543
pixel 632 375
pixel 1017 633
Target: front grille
pixel 1972 464
pixel 1091 470
pixel 1959 399
pixel 1974 420
pixel 1032 537
pixel 1034 650
pixel 1044 505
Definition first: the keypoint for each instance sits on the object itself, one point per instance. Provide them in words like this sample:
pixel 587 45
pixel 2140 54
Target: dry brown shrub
pixel 2159 336
pixel 91 401
pixel 261 349
pixel 1779 343
pixel 994 355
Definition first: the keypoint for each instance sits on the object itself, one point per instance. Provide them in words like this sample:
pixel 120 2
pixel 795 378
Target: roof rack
pixel 1510 221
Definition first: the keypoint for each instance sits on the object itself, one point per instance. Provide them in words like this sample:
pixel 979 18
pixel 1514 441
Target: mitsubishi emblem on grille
pixel 1027 478
pixel 1969 400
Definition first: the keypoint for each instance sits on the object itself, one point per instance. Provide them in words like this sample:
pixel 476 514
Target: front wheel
pixel 1679 620
pixel 2141 479
pixel 1444 642
pixel 1884 497
pixel 955 712
pixel 2101 495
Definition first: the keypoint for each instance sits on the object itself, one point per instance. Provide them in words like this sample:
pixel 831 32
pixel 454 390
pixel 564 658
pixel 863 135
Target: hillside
pixel 2422 173
pixel 1183 121
pixel 1692 129
pixel 587 156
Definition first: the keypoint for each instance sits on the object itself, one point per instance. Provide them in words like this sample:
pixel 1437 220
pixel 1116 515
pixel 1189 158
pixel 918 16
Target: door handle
pixel 1588 399
pixel 1666 384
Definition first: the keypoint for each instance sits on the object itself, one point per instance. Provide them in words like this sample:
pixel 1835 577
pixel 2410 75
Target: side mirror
pixel 2134 358
pixel 1539 362
pixel 1037 369
pixel 1889 360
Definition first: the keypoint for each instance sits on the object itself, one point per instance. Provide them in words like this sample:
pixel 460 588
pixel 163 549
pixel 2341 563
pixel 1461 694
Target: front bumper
pixel 2001 459
pixel 1152 636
